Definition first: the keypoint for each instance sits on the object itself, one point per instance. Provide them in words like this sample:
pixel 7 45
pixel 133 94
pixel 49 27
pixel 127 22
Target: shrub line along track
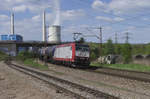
pixel 128 74
pixel 76 90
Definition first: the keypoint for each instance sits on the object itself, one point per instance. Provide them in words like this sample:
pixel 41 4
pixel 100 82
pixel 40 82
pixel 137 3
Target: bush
pixel 93 56
pixel 94 50
pixel 127 53
pixel 109 47
pixel 118 49
pixel 3 56
pixel 24 55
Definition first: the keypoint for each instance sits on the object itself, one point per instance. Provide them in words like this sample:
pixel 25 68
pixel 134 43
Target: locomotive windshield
pixel 82 50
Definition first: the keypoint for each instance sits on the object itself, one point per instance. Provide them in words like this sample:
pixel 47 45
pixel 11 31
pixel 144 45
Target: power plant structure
pixel 54 32
pixel 7 46
pixel 12 43
pixel 12 24
pixel 44 28
pixel 54 35
pixel 12 36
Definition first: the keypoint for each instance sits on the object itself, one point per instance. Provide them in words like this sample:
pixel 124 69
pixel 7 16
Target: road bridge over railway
pixel 12 47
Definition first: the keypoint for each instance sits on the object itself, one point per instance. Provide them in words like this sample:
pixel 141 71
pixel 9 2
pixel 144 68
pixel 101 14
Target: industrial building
pixel 54 34
pixel 10 48
pixel 13 43
pixel 12 36
pixel 7 37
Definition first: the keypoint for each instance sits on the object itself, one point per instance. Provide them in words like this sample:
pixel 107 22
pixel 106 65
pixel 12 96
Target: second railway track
pixel 76 90
pixel 128 74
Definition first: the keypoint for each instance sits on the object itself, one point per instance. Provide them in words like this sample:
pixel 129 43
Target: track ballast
pixel 76 90
pixel 128 74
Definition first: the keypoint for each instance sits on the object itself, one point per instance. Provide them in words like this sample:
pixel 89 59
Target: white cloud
pixel 122 6
pixel 21 5
pixel 36 18
pixel 129 28
pixel 104 18
pixel 3 17
pixel 118 19
pixel 97 4
pixel 36 8
pixel 108 19
pixel 145 19
pixel 20 8
pixel 72 14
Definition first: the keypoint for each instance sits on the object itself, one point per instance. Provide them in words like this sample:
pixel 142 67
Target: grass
pixel 136 67
pixel 31 63
pixel 3 56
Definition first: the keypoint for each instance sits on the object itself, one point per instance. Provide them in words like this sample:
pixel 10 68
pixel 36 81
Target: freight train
pixel 70 54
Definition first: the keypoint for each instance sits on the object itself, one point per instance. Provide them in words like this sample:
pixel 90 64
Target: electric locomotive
pixel 71 54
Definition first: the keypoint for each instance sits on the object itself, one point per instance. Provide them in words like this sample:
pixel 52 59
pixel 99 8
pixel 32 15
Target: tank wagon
pixel 71 54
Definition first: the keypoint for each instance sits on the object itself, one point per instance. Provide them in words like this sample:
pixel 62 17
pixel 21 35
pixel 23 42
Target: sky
pixel 84 16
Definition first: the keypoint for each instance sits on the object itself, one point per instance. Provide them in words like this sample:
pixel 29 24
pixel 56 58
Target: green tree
pixel 94 50
pixel 109 47
pixel 82 40
pixel 117 49
pixel 147 49
pixel 24 55
pixel 93 56
pixel 127 53
pixel 3 56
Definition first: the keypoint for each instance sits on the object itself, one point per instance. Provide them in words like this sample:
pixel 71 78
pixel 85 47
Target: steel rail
pixel 64 90
pixel 122 73
pixel 92 92
pixel 133 71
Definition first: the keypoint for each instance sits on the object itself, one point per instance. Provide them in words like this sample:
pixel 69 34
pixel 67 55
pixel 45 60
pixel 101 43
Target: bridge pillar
pixel 9 49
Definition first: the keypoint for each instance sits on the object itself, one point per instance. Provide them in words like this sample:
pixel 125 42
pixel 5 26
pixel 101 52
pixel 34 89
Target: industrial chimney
pixel 12 23
pixel 44 27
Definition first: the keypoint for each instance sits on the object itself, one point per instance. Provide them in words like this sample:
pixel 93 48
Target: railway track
pixel 122 70
pixel 128 74
pixel 73 89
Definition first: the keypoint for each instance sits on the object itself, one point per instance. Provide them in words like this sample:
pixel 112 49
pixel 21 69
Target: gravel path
pixel 15 85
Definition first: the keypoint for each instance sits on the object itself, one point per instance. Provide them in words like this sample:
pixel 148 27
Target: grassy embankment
pixel 29 60
pixel 143 49
pixel 3 56
pixel 32 63
pixel 136 67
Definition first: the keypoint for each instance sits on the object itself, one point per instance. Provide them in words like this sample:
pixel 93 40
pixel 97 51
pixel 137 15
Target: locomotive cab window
pixel 78 48
pixel 86 49
pixel 82 49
